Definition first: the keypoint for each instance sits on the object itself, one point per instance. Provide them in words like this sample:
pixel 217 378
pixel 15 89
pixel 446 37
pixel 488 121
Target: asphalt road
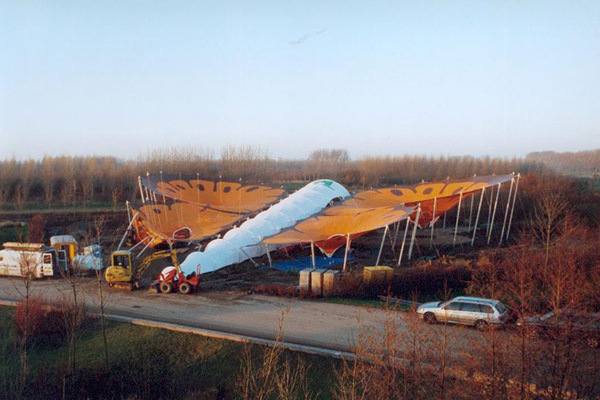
pixel 305 322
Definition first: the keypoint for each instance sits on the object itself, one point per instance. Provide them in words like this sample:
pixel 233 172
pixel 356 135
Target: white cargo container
pixel 19 259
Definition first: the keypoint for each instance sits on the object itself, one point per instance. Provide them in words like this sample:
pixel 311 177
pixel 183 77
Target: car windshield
pixel 500 307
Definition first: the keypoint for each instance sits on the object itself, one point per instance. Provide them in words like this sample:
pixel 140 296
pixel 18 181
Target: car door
pixel 486 313
pixel 469 313
pixel 451 312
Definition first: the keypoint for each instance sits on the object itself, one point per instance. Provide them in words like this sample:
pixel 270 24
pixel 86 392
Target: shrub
pixel 429 280
pixel 38 318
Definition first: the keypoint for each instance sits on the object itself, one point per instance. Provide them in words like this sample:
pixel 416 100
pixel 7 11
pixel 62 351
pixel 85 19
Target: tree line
pixel 580 163
pixel 72 180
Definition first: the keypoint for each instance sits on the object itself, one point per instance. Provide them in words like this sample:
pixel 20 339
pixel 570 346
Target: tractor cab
pixel 120 269
pixel 121 259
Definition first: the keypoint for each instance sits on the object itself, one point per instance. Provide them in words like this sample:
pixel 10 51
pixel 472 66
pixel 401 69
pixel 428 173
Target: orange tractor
pixel 172 279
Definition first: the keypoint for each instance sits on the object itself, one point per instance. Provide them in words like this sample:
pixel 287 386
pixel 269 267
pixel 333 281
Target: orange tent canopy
pixel 182 208
pixel 181 221
pixel 444 195
pixel 329 229
pixel 225 196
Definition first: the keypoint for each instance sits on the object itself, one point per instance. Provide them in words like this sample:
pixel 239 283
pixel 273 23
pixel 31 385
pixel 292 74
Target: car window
pixel 453 306
pixel 470 307
pixel 500 307
pixel 485 309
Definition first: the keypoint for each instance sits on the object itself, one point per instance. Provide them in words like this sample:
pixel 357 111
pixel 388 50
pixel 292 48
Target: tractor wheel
pixel 185 288
pixel 166 287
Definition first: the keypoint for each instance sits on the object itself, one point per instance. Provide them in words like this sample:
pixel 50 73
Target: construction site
pixel 186 234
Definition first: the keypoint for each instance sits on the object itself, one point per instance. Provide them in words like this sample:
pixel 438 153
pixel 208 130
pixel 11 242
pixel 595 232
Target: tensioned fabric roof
pixel 303 217
pixel 246 240
pixel 181 222
pixel 183 208
pixel 220 195
pixel 444 195
pixel 328 229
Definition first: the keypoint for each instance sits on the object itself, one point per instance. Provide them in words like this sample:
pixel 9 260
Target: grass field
pixel 145 363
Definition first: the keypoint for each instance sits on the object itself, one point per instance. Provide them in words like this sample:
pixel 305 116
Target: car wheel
pixel 166 287
pixel 481 325
pixel 429 317
pixel 185 288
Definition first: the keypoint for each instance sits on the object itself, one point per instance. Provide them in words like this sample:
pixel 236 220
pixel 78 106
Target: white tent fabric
pixel 234 246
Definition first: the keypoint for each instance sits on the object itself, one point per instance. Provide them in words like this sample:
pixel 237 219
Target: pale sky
pixel 374 77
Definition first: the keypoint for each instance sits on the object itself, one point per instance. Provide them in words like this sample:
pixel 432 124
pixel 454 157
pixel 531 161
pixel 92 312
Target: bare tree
pixel 550 211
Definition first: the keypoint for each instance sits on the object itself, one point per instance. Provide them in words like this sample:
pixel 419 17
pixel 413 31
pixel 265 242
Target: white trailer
pixel 21 259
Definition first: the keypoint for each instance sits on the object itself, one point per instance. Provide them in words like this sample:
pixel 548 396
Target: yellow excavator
pixel 121 274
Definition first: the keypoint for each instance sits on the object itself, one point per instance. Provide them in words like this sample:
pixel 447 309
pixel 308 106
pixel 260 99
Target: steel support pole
pixel 269 256
pixel 128 210
pixel 513 206
pixel 457 219
pixel 477 217
pixel 141 190
pixel 494 213
pixel 471 211
pixel 508 201
pixel 396 235
pixel 312 254
pixel 240 199
pixel 346 252
pixel 414 233
pixel 382 243
pixel 144 249
pixel 248 255
pixel 127 231
pixel 490 201
pixel 433 221
pixel 140 242
pixel 403 241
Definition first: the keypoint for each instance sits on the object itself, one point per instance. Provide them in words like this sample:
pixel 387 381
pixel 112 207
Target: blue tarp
pixel 301 263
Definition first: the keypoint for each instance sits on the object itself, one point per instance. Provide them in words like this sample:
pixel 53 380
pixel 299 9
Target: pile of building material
pixel 320 282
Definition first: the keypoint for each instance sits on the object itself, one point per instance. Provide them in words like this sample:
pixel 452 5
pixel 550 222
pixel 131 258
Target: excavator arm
pixel 153 257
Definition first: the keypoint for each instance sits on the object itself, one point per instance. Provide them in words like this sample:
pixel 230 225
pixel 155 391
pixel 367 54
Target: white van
pixel 20 259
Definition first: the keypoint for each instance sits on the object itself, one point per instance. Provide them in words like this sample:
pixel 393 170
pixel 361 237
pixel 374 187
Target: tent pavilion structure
pixel 240 222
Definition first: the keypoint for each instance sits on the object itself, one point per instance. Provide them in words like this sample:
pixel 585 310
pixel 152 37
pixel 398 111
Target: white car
pixel 463 310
